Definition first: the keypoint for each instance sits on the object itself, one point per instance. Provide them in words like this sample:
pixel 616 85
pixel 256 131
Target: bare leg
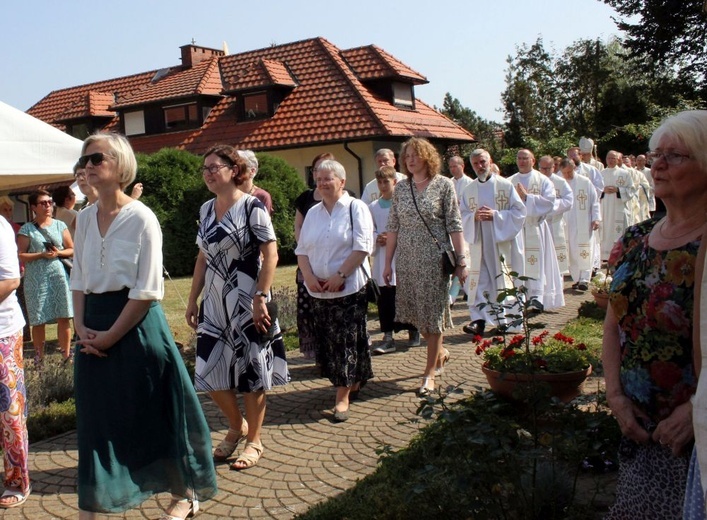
pixel 63 332
pixel 38 337
pixel 228 404
pixel 255 415
pixel 342 398
pixel 87 515
pixel 434 350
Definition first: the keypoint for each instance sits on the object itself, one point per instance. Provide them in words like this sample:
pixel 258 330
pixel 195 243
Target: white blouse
pixel 327 241
pixel 130 255
pixel 11 319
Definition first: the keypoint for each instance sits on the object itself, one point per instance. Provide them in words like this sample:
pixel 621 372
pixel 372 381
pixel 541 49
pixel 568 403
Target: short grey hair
pixel 126 164
pixel 384 151
pixel 251 160
pixel 335 167
pixel 479 151
pixel 690 128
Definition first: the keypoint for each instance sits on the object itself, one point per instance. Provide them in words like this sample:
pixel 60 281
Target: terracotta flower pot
pixel 565 386
pixel 602 299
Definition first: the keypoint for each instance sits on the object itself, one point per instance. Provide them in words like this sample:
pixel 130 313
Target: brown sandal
pixel 248 459
pixel 226 448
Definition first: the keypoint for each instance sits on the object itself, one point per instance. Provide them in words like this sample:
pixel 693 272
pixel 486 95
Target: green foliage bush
pixel 284 184
pixel 53 419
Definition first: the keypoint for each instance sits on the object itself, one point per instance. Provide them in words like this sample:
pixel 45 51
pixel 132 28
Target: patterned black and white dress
pixel 229 351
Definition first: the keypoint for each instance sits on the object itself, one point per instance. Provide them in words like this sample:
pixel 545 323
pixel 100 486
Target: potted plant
pixel 555 361
pixel 600 285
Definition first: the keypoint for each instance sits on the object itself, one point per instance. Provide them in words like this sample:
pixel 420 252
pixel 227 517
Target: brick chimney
pixel 193 54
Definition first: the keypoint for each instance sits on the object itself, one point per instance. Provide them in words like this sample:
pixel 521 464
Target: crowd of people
pixel 420 236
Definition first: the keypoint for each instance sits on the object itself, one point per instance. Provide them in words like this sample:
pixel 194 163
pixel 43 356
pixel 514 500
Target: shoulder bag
pixel 448 259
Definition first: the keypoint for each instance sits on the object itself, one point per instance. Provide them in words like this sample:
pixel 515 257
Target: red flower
pixel 565 339
pixel 581 346
pixel 477 339
pixel 507 353
pixel 538 340
pixel 516 341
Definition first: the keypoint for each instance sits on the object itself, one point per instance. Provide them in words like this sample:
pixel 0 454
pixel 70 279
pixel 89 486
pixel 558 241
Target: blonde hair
pixel 126 164
pixel 6 201
pixel 425 151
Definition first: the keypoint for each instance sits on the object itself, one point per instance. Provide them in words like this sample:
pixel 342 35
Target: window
pixel 80 131
pixel 181 116
pixel 402 95
pixel 256 105
pixel 134 123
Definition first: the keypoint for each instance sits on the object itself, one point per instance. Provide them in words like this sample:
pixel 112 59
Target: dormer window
pixel 255 105
pixel 178 117
pixel 403 96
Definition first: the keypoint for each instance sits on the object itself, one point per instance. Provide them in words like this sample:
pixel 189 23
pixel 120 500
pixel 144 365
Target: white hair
pixel 251 160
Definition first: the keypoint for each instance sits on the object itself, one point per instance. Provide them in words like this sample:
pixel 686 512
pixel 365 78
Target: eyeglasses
pixel 672 158
pixel 44 203
pixel 80 175
pixel 95 158
pixel 214 168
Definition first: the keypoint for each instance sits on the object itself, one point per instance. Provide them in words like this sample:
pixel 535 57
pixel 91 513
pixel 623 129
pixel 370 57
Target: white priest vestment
pixel 651 193
pixel 563 202
pixel 539 250
pixel 579 220
pixel 488 241
pixel 616 212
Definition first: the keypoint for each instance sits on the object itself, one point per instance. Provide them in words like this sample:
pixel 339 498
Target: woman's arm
pixel 696 313
pixel 68 242
pixel 311 281
pixel 98 341
pixel 392 244
pixel 299 219
pixel 621 406
pixel 197 285
pixel 261 317
pixel 353 261
pixel 7 286
pixel 23 248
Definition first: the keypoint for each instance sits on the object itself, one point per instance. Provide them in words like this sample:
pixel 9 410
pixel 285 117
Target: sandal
pixel 193 509
pixel 248 459
pixel 226 448
pixel 13 493
pixel 443 361
pixel 425 390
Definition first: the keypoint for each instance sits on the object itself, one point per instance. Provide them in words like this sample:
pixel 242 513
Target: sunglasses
pixel 95 158
pixel 44 203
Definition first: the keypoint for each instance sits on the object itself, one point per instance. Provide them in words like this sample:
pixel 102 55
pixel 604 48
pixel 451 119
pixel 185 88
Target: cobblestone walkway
pixel 307 458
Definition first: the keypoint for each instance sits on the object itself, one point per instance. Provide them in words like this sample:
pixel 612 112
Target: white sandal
pixel 226 448
pixel 16 493
pixel 193 510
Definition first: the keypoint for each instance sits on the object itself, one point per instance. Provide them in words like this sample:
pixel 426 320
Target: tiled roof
pixel 372 62
pixel 175 83
pixel 261 73
pixel 90 104
pixel 329 104
pixel 328 101
pixel 53 107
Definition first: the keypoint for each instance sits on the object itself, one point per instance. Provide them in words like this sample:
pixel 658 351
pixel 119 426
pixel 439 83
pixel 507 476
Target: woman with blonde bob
pixel 424 218
pixel 141 429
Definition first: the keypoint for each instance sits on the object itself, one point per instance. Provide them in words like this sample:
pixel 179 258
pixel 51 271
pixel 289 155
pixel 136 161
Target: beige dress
pixel 422 294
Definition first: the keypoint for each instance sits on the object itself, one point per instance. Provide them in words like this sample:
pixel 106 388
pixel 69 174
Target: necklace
pixel 662 225
pixel 423 181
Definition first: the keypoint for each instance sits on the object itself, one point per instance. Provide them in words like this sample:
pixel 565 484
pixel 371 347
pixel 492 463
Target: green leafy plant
pixel 600 283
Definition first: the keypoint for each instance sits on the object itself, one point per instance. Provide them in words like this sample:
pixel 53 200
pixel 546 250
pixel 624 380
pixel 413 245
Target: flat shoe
pixel 248 459
pixel 193 510
pixel 425 390
pixel 226 448
pixel 16 493
pixel 340 416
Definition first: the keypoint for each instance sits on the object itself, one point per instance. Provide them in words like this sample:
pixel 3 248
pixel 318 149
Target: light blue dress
pixel 46 283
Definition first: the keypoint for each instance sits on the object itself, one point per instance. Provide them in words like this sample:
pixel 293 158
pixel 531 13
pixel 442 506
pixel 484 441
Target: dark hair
pixel 34 196
pixel 61 194
pixel 385 172
pixel 230 156
pixel 566 162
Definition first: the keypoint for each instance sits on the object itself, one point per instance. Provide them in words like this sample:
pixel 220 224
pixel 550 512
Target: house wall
pixel 301 159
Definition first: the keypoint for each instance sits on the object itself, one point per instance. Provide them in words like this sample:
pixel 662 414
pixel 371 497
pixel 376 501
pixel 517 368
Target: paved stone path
pixel 307 458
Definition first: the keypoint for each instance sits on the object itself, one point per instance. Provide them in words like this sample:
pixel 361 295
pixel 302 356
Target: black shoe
pixel 340 417
pixel 583 286
pixel 475 328
pixel 575 285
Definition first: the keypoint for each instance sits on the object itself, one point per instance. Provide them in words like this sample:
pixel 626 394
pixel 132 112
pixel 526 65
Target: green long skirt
pixel 141 429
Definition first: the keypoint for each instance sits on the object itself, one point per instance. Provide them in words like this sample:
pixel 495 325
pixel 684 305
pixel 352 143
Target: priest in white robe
pixel 587 150
pixel 563 202
pixel 641 167
pixel 538 194
pixel 492 217
pixel 640 205
pixel 460 180
pixel 616 203
pixel 581 220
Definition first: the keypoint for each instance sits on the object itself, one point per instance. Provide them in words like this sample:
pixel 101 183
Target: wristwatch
pixel 343 276
pixel 261 293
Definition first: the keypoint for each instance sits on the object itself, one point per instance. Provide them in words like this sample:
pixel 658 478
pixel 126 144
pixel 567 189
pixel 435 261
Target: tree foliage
pixel 666 34
pixel 487 133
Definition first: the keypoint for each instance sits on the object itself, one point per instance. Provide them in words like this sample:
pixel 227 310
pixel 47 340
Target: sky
pixel 460 46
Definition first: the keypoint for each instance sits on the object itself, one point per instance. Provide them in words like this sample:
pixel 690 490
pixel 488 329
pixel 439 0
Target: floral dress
pixel 651 295
pixel 422 292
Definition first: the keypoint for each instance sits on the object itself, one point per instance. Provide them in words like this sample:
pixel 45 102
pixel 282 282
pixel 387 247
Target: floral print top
pixel 652 297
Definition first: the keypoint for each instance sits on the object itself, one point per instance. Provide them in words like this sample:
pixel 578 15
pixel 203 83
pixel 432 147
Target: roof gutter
pixel 360 166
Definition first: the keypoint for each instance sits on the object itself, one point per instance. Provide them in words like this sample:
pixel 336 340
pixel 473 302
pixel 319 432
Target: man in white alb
pixel 460 181
pixel 492 217
pixel 563 202
pixel 641 167
pixel 616 202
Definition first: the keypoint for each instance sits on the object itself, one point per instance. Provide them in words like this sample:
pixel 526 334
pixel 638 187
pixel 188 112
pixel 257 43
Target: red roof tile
pixel 90 104
pixel 176 83
pixel 372 62
pixel 261 73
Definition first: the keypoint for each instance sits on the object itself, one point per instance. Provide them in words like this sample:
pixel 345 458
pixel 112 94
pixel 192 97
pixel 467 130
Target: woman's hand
pixel 626 412
pixel 261 317
pixel 387 274
pixel 192 314
pixel 676 430
pixel 313 283
pixel 461 272
pixel 93 342
pixel 334 283
pixel 50 253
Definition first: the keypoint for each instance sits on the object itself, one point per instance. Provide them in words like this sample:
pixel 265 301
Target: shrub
pixel 284 184
pixel 54 383
pixel 51 420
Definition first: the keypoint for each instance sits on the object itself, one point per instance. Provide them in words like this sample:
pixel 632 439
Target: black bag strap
pixel 414 200
pixel 46 235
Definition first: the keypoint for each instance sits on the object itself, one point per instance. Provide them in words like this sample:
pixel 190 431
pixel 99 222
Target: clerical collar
pixel 482 180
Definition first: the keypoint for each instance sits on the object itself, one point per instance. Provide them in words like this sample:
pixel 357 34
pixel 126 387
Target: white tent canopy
pixel 33 152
